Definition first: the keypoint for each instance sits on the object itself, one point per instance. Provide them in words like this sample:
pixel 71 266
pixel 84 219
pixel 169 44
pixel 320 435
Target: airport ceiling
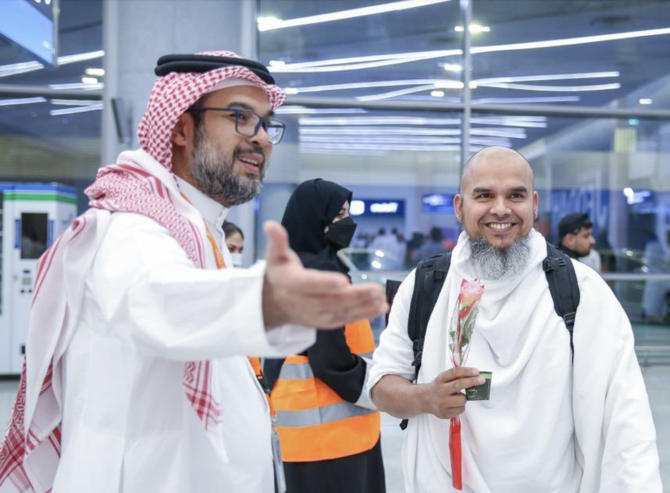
pixel 413 55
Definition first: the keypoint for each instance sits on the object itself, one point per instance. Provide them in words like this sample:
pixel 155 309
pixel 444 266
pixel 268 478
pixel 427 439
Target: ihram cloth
pixel 549 427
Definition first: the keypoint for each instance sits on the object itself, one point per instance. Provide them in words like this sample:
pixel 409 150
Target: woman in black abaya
pixel 328 428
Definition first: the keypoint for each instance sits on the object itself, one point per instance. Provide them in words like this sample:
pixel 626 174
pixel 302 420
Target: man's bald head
pixel 492 158
pixel 497 201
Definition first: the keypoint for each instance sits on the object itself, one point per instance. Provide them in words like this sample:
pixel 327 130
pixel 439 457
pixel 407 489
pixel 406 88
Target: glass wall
pixel 576 88
pixel 47 133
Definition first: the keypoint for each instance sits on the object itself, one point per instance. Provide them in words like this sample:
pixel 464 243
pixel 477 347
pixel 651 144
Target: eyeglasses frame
pixel 263 121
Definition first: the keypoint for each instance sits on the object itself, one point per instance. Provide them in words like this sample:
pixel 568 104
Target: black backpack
pixel 430 276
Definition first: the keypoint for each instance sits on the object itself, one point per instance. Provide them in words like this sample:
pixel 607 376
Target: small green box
pixel 480 392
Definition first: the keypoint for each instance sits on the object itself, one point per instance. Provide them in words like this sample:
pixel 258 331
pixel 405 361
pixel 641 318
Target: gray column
pixel 137 32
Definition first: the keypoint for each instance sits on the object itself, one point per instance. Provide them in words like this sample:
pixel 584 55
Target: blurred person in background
pixel 575 233
pixel 386 242
pixel 329 430
pixel 413 246
pixel 433 247
pixel 402 247
pixel 234 242
pixel 654 296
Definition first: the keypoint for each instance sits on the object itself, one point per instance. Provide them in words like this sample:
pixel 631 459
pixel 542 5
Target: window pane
pixel 331 51
pixel 575 52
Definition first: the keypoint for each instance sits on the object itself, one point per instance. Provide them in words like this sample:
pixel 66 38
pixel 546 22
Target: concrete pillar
pixel 138 32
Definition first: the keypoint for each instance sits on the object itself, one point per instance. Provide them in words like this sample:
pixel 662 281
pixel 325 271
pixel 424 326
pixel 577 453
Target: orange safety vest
pixel 314 423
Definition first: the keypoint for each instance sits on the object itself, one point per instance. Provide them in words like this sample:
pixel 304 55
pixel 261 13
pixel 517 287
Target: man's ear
pixel 458 207
pixel 184 131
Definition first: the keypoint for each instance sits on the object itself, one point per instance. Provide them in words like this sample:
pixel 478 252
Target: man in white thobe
pixel 550 426
pixel 137 375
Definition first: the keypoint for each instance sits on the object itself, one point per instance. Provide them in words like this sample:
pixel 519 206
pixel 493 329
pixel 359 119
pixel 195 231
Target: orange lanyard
pixel 218 256
pixel 254 360
pixel 258 370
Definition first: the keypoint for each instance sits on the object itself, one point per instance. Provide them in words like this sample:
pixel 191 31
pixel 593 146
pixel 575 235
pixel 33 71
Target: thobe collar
pixel 212 212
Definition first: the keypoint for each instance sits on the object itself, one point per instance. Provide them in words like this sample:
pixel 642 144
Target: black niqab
pixel 312 207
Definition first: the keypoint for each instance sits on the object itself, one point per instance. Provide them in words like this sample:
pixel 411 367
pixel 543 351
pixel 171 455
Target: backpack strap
pixel 563 287
pixel 428 281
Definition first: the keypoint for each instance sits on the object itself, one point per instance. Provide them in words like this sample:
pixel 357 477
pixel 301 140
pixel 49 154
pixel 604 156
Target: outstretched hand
pixel 295 295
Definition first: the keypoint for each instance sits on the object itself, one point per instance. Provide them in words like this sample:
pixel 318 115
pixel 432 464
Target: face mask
pixel 237 259
pixel 340 233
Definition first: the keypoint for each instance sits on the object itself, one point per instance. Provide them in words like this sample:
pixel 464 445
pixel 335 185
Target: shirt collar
pixel 212 212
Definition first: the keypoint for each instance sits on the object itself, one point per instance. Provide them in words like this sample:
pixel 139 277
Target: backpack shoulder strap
pixel 563 286
pixel 428 281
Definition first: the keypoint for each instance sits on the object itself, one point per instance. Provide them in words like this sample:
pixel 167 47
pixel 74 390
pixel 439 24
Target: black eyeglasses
pixel 248 123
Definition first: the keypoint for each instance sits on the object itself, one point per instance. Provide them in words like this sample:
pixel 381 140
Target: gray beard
pixel 214 175
pixel 493 263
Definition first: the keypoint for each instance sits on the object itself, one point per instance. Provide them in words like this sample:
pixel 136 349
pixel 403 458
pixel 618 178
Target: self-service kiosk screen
pixel 33 235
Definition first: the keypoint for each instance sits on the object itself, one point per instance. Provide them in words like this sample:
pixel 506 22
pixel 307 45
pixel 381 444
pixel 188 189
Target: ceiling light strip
pixel 537 78
pixel 82 109
pixel 378 120
pixel 25 67
pixel 425 55
pixel 547 99
pixel 369 85
pixel 539 88
pixel 21 101
pixel 272 24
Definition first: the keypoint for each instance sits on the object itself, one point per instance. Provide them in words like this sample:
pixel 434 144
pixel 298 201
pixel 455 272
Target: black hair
pixel 230 229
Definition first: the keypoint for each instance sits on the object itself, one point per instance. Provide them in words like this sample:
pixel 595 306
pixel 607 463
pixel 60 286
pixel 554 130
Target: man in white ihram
pixel 137 378
pixel 549 426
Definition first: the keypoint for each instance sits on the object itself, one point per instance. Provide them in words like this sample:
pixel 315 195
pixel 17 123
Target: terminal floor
pixel 657 379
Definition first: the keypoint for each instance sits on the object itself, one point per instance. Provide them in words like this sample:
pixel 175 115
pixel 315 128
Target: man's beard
pixel 214 174
pixel 493 263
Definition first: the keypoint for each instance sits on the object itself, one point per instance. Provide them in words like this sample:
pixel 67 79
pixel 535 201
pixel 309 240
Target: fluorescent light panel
pixel 269 24
pixel 378 120
pixel 301 110
pixel 531 87
pixel 24 67
pixel 71 111
pixel 508 133
pixel 445 83
pixel 417 140
pixel 437 84
pixel 71 102
pixel 21 101
pixel 546 99
pixel 342 152
pixel 77 85
pixel 358 63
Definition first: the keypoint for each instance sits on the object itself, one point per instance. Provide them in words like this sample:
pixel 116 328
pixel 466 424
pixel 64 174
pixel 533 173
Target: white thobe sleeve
pixel 616 438
pixel 394 355
pixel 151 292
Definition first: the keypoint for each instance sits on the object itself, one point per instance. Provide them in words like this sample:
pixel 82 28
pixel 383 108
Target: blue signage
pixel 377 207
pixel 438 203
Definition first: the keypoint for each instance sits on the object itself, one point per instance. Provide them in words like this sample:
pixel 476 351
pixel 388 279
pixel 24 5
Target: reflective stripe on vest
pixel 315 423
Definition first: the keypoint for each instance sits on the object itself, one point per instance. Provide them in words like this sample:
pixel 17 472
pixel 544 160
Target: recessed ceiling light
pixel 89 80
pixel 437 94
pixel 452 67
pixel 474 29
pixel 645 101
pixel 95 72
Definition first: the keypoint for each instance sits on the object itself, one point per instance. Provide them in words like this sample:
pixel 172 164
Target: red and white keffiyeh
pixel 30 450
